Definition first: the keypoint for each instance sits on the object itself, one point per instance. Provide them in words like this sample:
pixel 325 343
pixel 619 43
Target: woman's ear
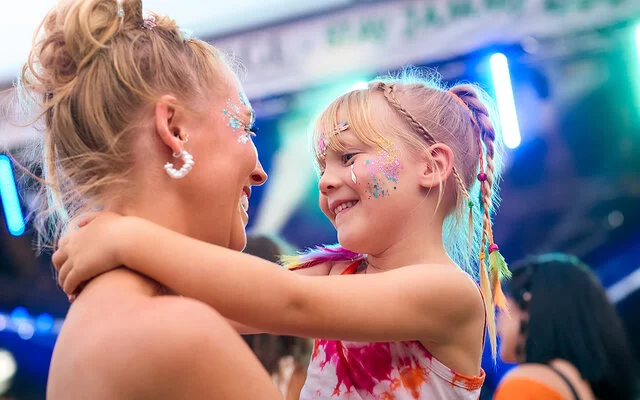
pixel 168 126
pixel 438 165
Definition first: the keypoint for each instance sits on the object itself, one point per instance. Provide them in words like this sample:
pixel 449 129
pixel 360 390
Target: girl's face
pixel 369 193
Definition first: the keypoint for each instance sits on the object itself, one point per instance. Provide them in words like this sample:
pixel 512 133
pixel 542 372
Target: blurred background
pixel 566 74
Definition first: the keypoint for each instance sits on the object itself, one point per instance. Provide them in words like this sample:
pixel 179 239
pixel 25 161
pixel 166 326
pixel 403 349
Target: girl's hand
pixel 90 250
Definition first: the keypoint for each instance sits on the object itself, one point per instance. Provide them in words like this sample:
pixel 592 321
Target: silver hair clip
pixel 149 22
pixel 120 9
pixel 342 126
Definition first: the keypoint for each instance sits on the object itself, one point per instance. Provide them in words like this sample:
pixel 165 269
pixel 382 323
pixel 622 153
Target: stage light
pixel 504 98
pixel 9 197
pixel 638 45
pixel 44 323
pixel 19 314
pixel 635 69
pixel 8 367
pixel 26 330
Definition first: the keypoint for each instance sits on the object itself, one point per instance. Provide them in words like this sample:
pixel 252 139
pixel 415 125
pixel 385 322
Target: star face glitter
pixel 342 126
pixel 384 171
pixel 231 114
pixel 243 99
pixel 322 147
pixel 322 142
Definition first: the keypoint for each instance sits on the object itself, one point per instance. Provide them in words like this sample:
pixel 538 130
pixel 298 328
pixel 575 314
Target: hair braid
pixel 487 177
pixel 389 94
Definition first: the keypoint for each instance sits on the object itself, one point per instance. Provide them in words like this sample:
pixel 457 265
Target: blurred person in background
pixel 564 334
pixel 284 357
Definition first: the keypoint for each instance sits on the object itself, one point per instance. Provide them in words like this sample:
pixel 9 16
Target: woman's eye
pixel 252 130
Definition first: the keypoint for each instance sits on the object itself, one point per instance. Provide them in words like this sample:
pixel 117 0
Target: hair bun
pixel 72 34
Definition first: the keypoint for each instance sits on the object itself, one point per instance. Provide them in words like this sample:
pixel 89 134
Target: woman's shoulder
pixel 134 343
pixel 137 341
pixel 538 381
pixel 167 319
pixel 532 371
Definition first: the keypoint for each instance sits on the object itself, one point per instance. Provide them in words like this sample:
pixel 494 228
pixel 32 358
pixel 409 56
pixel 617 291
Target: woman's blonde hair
pixel 461 117
pixel 95 70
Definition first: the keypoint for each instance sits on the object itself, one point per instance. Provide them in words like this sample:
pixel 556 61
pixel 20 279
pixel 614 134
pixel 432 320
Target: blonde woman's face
pixel 226 166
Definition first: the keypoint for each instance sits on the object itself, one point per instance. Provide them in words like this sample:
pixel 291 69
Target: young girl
pixel 402 164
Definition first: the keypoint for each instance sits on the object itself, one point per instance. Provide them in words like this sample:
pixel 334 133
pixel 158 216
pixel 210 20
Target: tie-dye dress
pixel 385 371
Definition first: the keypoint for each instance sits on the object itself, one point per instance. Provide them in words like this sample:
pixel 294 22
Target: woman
pixel 120 94
pixel 565 335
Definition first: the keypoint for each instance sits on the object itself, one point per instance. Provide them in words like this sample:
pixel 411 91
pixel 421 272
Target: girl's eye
pixel 348 157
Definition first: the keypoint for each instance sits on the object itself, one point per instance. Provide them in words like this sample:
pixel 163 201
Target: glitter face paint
pixel 231 114
pixel 384 171
pixel 322 147
pixel 243 99
pixel 353 175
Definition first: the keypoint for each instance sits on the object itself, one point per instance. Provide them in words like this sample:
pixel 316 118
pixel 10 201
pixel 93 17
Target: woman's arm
pixel 404 304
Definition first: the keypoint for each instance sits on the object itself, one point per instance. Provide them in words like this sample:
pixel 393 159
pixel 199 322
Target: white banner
pixel 388 35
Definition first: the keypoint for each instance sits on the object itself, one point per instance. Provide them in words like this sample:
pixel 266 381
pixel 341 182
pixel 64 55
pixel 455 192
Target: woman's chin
pixel 238 240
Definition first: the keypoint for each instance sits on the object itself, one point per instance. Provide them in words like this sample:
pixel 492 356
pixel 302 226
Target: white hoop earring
pixel 187 160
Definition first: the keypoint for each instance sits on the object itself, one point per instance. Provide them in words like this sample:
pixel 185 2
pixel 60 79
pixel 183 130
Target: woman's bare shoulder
pixel 543 375
pixel 147 350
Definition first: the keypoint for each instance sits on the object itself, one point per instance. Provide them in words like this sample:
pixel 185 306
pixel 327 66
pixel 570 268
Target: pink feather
pixel 319 255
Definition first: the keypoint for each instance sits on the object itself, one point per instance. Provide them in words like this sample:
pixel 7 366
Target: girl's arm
pixel 322 269
pixel 404 304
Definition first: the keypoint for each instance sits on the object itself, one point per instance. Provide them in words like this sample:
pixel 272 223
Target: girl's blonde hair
pixel 461 117
pixel 95 70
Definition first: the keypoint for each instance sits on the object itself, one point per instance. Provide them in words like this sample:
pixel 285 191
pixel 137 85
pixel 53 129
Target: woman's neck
pixel 169 211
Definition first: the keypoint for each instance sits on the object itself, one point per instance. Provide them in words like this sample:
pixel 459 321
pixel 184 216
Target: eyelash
pixel 344 157
pixel 344 161
pixel 251 130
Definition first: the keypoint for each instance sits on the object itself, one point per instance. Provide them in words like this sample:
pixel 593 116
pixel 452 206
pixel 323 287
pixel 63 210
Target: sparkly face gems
pixel 384 171
pixel 322 143
pixel 243 99
pixel 244 138
pixel 322 147
pixel 342 126
pixel 231 114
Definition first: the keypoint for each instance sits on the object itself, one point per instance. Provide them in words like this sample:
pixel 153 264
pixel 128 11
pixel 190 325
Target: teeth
pixel 244 202
pixel 344 206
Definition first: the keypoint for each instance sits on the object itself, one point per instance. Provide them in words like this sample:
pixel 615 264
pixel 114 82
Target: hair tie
pixel 464 105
